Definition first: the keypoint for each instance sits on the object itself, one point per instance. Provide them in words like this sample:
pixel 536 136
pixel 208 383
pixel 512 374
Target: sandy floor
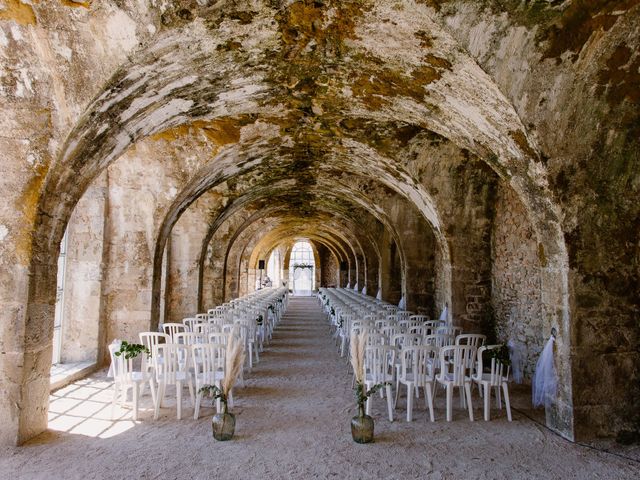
pixel 293 422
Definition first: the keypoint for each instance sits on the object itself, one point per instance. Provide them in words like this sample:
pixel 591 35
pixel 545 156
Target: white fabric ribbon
pixel 402 304
pixel 364 290
pixel 379 295
pixel 544 383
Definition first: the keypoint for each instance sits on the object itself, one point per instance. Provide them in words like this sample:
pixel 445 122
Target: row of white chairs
pixel 417 352
pixel 191 353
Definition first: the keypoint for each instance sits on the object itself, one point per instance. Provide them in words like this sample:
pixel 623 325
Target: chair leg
pixel 499 398
pixel 395 402
pixel 467 389
pixel 506 400
pixel 409 401
pixel 449 401
pixel 389 402
pixel 159 396
pixel 191 393
pixel 487 401
pixel 428 393
pixel 152 387
pixel 196 408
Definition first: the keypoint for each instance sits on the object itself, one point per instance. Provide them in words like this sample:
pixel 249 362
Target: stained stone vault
pixel 448 152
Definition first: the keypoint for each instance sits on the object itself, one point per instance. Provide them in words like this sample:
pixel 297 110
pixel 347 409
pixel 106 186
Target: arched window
pixel 302 267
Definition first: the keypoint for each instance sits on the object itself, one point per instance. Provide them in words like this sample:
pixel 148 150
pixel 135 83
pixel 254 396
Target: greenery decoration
pixel 302 265
pixel 131 350
pixel 500 353
pixel 362 394
pixel 216 392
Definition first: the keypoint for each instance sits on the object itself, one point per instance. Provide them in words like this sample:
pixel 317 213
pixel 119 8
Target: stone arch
pixel 156 91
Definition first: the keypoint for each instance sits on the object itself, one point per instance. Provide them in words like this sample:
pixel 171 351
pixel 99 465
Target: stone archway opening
pixel 158 91
pixel 302 269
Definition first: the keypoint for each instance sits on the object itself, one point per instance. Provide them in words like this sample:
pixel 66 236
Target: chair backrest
pixel 188 338
pixel 375 339
pixel 168 360
pixel 403 315
pixel 449 330
pixel 457 363
pixel 116 362
pixel 202 316
pixel 439 340
pixel 402 340
pixel 149 339
pixel 189 323
pixel 206 328
pixel 390 331
pixel 219 337
pixel 419 318
pixel 418 330
pixel 474 339
pixel 172 328
pixel 380 324
pixel 208 360
pixel 379 363
pixel 498 372
pixel 419 363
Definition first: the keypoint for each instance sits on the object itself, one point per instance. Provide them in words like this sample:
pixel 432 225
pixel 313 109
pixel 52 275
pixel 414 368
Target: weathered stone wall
pixel 516 285
pixel 550 107
pixel 329 266
pixel 186 243
pixel 82 310
pixel 464 190
pixel 571 73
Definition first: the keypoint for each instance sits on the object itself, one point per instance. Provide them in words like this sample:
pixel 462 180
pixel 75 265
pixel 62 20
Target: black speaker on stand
pixel 261 268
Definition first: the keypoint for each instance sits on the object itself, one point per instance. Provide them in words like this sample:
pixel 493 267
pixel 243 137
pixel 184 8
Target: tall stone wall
pixel 515 279
pixel 82 309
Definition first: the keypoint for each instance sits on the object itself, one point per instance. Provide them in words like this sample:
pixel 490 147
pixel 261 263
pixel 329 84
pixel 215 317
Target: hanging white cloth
pixel 379 295
pixel 355 287
pixel 364 290
pixel 517 366
pixel 544 383
pixel 444 314
pixel 402 304
pixel 349 286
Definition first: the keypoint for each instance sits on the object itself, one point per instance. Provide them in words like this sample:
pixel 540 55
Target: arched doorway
pixel 302 268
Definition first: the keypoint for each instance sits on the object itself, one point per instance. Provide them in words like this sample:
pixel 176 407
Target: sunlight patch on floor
pixel 85 408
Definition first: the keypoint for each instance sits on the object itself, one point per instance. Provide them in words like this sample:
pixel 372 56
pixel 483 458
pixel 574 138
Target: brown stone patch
pixel 621 78
pixel 374 87
pixel 221 131
pixel 229 46
pixel 520 138
pixel 19 12
pixel 70 3
pixel 437 62
pixel 579 21
pixel 426 40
